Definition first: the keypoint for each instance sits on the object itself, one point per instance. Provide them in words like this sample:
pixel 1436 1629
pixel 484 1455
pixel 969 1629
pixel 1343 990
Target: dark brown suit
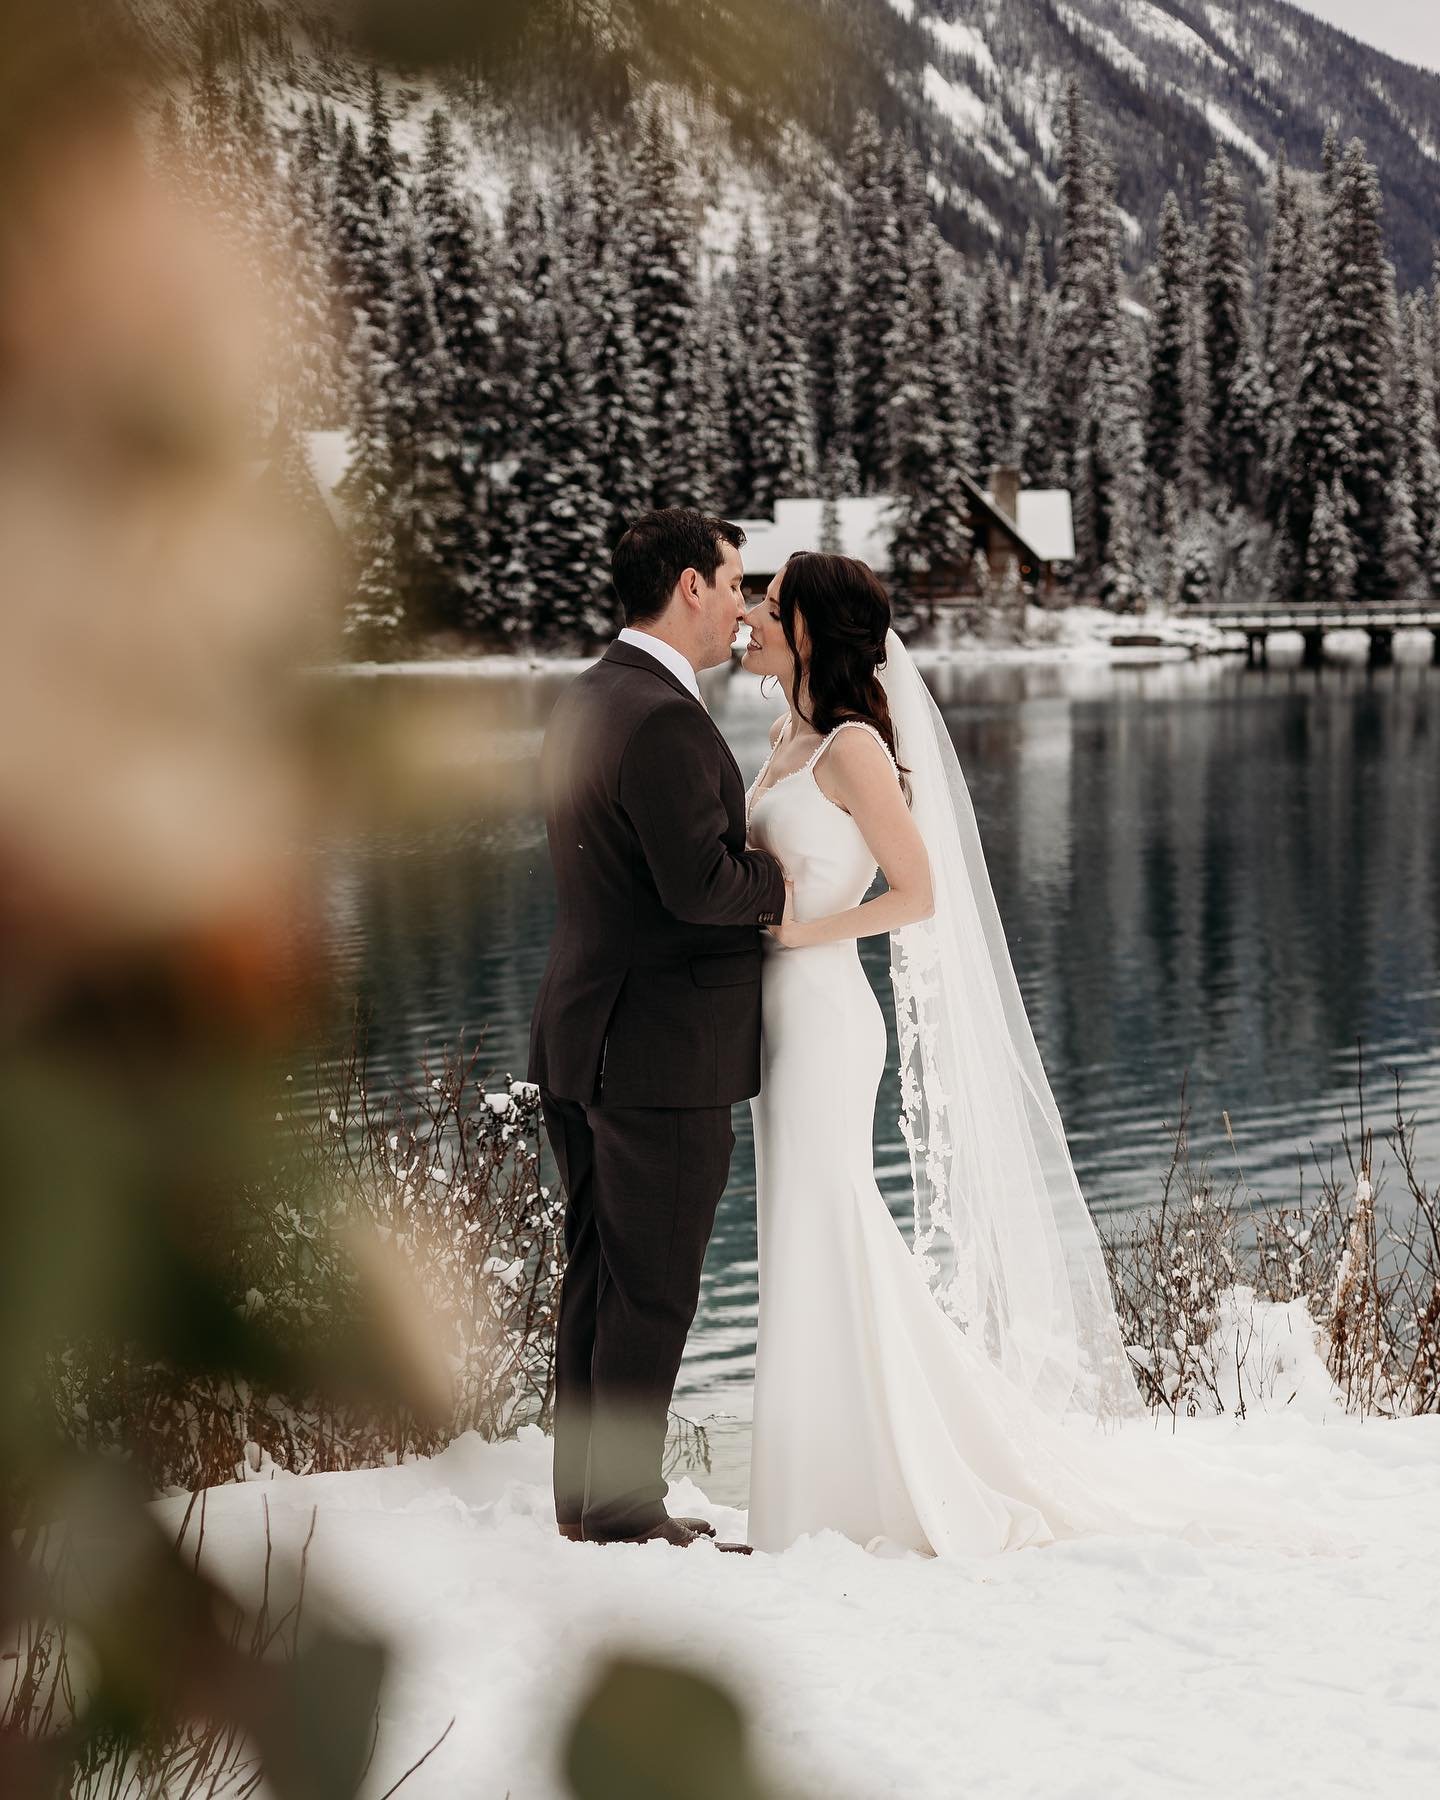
pixel 646 1030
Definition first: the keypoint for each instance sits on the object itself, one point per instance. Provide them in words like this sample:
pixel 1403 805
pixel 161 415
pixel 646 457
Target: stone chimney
pixel 1005 491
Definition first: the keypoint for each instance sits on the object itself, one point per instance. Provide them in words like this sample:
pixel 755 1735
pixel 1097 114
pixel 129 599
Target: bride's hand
pixel 790 934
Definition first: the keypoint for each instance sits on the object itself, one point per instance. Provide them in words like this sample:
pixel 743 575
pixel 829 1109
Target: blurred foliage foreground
pixel 195 1271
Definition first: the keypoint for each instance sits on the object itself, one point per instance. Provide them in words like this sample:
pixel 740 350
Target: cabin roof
pixel 1045 522
pixel 1044 528
pixel 864 532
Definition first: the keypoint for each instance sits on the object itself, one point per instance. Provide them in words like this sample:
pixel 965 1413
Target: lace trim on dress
pixel 858 725
pixel 756 790
pixel 752 793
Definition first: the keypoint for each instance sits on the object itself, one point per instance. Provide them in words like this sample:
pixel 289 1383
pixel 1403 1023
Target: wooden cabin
pixel 1029 531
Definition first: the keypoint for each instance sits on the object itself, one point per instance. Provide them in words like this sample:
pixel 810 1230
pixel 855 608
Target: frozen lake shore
pixel 1069 634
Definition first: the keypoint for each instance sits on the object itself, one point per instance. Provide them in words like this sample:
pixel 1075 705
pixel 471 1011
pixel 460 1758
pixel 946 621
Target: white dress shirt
pixel 679 666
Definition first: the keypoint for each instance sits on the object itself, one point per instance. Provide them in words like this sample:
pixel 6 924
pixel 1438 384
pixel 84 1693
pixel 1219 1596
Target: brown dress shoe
pixel 675 1532
pixel 575 1534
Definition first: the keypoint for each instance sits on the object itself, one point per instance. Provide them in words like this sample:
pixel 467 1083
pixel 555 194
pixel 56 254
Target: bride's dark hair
pixel 847 613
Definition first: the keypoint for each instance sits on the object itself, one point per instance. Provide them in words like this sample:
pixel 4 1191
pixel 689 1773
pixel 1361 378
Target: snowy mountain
pixel 683 287
pixel 976 84
pixel 1168 82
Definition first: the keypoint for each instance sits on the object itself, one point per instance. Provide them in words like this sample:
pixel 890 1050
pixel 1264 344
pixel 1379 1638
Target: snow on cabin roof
pixel 865 526
pixel 864 522
pixel 1045 522
pixel 329 454
pixel 799 525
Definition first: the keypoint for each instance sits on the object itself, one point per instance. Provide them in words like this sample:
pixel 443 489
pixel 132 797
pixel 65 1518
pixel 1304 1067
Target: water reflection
pixel 1204 871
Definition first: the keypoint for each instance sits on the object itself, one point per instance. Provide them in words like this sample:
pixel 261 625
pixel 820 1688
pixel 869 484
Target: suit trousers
pixel 641 1186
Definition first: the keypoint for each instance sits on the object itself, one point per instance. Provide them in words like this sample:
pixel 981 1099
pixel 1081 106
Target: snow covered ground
pixel 1069 633
pixel 1086 634
pixel 1108 1667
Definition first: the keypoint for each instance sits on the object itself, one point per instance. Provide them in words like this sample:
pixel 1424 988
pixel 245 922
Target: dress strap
pixel 856 725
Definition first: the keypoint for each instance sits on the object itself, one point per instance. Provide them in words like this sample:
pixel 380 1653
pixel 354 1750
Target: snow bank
pixel 1085 634
pixel 497 665
pixel 1267 1357
pixel 1105 1666
pixel 1063 634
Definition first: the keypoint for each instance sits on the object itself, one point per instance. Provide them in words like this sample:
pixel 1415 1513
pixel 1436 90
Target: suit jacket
pixel 651 995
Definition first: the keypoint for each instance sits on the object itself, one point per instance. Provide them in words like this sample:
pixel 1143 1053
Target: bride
pixel 942 1399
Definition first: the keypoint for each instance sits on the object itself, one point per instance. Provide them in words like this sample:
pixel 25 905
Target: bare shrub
pixel 447 1171
pixel 1192 1278
pixel 1369 1273
pixel 1168 1271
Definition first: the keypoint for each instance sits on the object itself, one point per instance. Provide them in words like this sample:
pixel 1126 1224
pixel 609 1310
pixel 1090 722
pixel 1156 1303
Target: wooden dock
pixel 1379 622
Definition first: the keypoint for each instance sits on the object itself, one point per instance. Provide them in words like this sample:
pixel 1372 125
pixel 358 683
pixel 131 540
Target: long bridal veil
pixel 1001 1226
pixel 1002 1231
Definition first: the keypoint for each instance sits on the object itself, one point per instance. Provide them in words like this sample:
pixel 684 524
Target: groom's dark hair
pixel 656 551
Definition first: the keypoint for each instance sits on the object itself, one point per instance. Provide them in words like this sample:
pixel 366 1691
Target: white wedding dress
pixel 871 1415
pixel 875 1413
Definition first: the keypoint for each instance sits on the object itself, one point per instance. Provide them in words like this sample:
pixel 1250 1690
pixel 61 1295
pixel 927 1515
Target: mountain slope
pixel 976 84
pixel 1168 82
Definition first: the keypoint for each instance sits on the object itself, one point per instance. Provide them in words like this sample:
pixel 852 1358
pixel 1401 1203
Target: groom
pixel 647 1025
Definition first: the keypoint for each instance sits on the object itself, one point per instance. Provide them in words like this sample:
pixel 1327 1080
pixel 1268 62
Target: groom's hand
pixel 790 934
